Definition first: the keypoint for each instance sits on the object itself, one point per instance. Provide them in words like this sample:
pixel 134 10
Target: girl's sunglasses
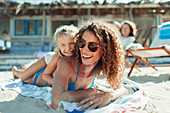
pixel 92 46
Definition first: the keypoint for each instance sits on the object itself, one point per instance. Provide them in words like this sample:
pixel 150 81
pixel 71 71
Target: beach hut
pixel 31 26
pixel 30 34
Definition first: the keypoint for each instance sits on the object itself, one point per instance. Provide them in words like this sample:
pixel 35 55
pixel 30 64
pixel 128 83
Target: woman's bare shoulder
pixel 66 66
pixel 70 61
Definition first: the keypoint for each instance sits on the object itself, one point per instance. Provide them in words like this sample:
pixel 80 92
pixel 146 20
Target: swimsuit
pixel 71 86
pixel 37 75
pixel 48 56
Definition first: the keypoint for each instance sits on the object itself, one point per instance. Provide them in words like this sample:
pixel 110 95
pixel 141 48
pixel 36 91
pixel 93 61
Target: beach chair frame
pixel 139 57
pixel 139 32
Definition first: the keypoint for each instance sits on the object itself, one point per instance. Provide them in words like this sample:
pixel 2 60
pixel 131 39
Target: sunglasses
pixel 92 46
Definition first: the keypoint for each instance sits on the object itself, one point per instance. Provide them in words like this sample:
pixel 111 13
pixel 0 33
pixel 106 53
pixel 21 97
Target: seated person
pixel 128 33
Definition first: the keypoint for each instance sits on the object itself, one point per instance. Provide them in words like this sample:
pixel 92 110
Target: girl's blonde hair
pixel 70 30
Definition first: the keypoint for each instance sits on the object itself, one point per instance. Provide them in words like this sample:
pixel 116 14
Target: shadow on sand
pixel 22 104
pixel 154 79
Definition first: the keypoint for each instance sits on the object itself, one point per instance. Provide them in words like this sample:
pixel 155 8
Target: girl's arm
pixel 47 75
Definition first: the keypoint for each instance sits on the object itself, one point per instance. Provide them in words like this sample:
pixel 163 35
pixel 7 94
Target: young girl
pixel 34 73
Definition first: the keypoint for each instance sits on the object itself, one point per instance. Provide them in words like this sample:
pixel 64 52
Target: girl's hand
pixel 95 101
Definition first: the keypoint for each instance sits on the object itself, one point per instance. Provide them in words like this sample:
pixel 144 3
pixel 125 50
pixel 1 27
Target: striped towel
pixel 44 93
pixel 138 98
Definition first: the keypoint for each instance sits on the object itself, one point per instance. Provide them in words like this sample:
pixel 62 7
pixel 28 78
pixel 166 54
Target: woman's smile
pixel 87 57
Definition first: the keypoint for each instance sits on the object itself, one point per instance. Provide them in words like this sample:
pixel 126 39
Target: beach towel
pixel 137 99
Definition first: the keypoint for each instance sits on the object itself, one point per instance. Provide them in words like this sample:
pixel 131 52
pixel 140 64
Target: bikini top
pixel 71 86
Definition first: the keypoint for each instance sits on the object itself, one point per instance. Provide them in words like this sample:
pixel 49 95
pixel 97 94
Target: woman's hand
pixel 100 98
pixel 97 100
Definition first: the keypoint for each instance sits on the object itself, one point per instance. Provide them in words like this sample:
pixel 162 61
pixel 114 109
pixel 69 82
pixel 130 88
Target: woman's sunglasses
pixel 92 46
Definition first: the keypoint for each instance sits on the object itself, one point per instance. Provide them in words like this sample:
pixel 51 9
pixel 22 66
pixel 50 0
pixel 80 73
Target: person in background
pixel 128 33
pixel 34 73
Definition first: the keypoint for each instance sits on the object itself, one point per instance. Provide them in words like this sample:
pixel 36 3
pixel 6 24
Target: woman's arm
pixel 101 99
pixel 61 78
pixel 60 82
pixel 51 67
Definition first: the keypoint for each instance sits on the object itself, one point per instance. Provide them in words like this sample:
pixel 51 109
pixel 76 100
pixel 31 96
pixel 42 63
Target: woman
pixel 128 33
pixel 128 28
pixel 97 49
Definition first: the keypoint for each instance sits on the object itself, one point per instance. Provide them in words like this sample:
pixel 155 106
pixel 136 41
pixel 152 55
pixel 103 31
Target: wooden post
pixel 131 14
pixel 146 57
pixel 43 31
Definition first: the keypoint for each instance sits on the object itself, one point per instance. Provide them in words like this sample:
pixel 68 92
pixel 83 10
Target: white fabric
pixel 39 54
pixel 48 56
pixel 134 46
pixel 157 42
pixel 126 40
pixel 128 44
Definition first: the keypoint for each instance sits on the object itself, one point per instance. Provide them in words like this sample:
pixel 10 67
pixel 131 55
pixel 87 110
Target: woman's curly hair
pixel 131 25
pixel 111 62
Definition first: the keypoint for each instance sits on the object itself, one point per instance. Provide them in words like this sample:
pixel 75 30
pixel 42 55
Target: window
pixel 20 27
pixel 39 27
pixel 29 27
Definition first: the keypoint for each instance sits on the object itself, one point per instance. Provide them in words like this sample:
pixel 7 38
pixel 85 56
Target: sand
pixel 157 82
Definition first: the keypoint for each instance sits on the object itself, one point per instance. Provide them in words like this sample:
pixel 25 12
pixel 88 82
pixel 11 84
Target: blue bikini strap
pixel 94 77
pixel 95 73
pixel 95 70
pixel 37 75
pixel 78 72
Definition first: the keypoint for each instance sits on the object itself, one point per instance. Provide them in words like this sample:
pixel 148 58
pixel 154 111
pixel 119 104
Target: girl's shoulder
pixel 68 61
pixel 68 65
